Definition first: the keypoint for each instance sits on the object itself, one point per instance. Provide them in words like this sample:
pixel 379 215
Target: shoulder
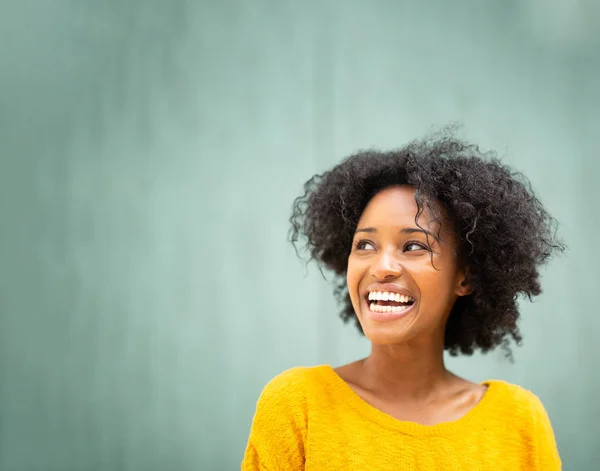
pixel 293 381
pixel 283 404
pixel 289 390
pixel 514 393
pixel 525 413
pixel 279 427
pixel 517 400
pixel 296 377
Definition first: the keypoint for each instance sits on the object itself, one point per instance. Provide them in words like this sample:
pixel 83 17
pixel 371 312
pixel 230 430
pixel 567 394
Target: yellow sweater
pixel 310 419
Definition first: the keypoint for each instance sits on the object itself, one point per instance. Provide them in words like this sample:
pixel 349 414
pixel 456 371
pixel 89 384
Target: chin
pixel 388 333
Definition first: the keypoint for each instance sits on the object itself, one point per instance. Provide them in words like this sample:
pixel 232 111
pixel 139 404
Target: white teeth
pixel 387 309
pixel 388 296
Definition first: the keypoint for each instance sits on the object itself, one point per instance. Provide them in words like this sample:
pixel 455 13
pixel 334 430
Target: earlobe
pixel 464 287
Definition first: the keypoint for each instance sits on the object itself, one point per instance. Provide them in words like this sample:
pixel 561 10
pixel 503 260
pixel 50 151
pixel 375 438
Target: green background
pixel 150 151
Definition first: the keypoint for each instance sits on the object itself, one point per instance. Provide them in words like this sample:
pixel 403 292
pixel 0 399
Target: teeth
pixel 387 296
pixel 388 309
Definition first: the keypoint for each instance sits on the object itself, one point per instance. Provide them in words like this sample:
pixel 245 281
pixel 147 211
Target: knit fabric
pixel 308 418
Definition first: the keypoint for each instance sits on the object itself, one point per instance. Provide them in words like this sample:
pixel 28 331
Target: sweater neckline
pixel 476 415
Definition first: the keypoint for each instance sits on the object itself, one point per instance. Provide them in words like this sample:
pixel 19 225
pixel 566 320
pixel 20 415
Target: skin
pixel 404 375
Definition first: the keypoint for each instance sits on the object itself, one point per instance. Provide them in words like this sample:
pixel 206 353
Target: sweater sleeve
pixel 278 433
pixel 546 449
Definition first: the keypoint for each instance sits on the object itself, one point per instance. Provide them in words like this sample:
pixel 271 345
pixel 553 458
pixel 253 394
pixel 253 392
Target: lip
pixel 387 316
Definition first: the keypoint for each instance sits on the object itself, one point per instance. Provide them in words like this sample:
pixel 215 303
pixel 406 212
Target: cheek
pixel 437 287
pixel 428 277
pixel 353 279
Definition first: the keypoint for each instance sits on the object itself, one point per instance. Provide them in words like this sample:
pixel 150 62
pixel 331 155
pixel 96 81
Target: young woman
pixel 432 245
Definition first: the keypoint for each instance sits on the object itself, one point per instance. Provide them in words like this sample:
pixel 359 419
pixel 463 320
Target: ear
pixel 463 286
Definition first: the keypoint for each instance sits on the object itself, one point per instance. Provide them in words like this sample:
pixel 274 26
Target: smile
pixel 388 305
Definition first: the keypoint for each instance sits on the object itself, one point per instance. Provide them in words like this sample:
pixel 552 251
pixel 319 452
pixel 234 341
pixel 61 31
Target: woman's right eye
pixel 364 245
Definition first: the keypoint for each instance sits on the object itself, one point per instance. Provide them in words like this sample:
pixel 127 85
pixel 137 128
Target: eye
pixel 364 245
pixel 414 246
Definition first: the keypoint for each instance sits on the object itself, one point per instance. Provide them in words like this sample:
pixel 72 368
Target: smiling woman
pixel 403 256
pixel 432 245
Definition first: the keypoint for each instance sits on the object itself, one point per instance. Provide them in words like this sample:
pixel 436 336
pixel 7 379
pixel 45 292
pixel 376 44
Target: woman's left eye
pixel 413 246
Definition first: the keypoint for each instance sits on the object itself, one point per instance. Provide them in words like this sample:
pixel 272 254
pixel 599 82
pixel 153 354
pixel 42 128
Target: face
pixel 403 279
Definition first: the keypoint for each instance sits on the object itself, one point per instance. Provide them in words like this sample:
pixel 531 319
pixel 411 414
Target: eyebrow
pixel 404 230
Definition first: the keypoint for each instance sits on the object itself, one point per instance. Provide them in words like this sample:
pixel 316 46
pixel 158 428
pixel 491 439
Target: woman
pixel 432 245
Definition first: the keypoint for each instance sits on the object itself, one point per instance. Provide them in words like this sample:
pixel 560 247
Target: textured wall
pixel 149 154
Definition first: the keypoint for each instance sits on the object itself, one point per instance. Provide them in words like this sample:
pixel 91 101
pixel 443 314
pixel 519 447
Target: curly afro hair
pixel 503 230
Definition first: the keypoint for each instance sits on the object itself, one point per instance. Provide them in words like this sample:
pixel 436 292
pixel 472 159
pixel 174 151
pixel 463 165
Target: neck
pixel 410 371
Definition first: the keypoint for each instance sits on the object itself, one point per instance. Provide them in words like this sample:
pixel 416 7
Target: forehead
pixel 394 206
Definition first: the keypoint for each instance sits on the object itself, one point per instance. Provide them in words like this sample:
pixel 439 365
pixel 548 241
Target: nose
pixel 387 266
